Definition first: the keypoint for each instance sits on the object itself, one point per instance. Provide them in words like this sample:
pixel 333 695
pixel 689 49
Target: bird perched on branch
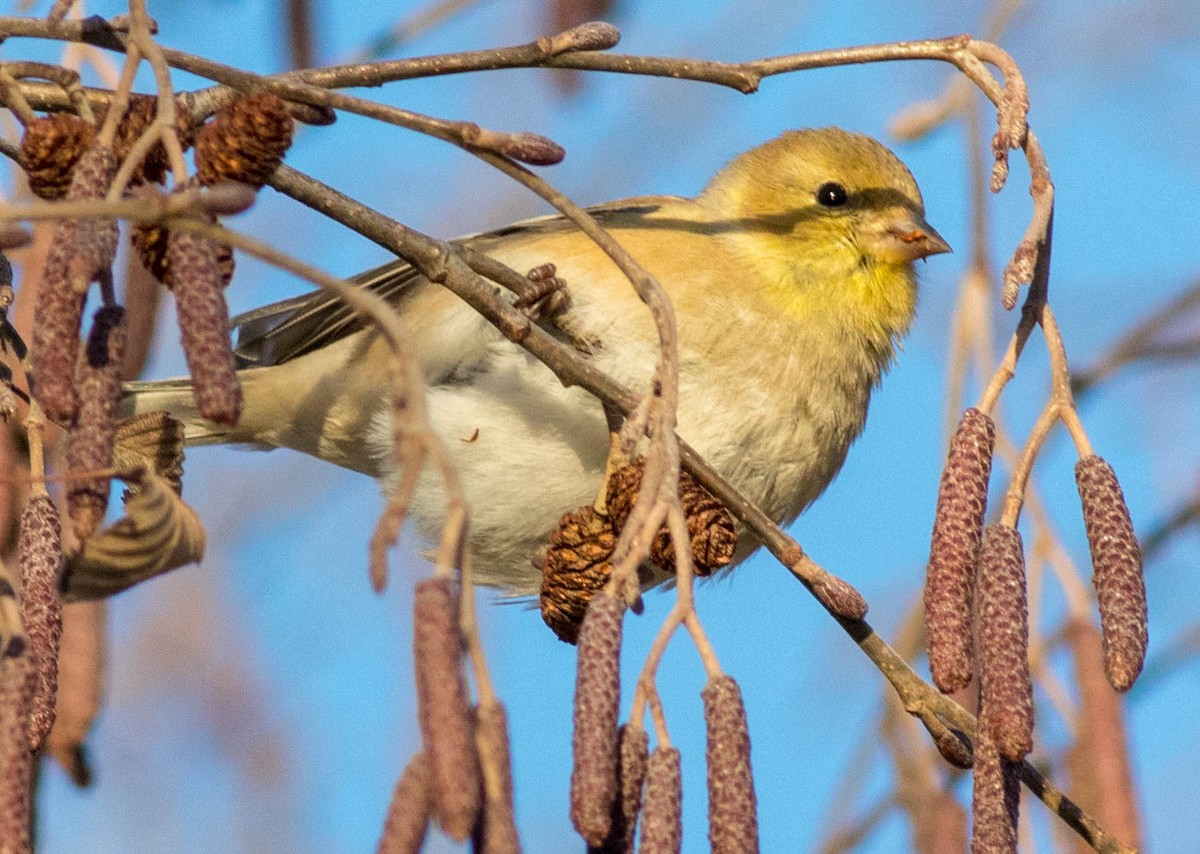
pixel 792 279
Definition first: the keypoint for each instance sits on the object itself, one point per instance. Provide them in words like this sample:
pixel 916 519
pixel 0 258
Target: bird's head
pixel 834 219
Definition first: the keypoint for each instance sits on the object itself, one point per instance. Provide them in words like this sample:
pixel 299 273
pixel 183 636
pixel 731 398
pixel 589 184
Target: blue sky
pixel 262 701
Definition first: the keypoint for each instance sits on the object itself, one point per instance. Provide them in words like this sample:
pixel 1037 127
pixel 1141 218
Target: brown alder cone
pixel 662 816
pixel 245 142
pixel 995 800
pixel 575 566
pixel 497 832
pixel 632 752
pixel 15 756
pixel 954 550
pixel 447 724
pixel 50 148
pixel 714 537
pixel 150 241
pixel 90 442
pixel 204 324
pixel 597 703
pixel 138 116
pixel 410 809
pixel 1098 761
pixel 1006 689
pixel 39 552
pixel 1117 571
pixel 732 805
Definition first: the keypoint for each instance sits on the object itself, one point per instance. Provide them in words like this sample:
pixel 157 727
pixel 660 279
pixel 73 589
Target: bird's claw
pixel 546 296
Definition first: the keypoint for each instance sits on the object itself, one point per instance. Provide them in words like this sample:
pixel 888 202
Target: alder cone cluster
pixel 140 112
pixel 714 537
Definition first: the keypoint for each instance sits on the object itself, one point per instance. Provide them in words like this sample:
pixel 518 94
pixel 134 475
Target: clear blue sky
pixel 262 702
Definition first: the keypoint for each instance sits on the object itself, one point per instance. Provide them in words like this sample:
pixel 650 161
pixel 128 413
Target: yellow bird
pixel 792 279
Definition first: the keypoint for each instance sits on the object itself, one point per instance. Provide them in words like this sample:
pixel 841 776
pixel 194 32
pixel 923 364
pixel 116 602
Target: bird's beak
pixel 908 237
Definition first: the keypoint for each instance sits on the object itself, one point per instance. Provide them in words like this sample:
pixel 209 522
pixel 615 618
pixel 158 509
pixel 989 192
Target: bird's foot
pixel 547 295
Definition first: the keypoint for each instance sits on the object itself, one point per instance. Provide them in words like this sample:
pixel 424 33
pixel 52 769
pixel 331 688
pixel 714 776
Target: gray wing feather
pixel 286 330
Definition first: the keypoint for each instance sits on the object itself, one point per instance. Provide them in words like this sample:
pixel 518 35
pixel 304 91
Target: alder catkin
pixel 633 751
pixel 95 239
pixel 497 832
pixel 597 703
pixel 80 252
pixel 58 313
pixel 204 326
pixel 732 806
pixel 16 759
pixel 410 809
pixel 995 800
pixel 40 554
pixel 1006 689
pixel 90 442
pixel 954 550
pixel 662 817
pixel 150 241
pixel 1117 571
pixel 447 724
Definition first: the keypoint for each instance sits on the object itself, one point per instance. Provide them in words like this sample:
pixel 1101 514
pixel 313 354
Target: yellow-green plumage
pixel 788 310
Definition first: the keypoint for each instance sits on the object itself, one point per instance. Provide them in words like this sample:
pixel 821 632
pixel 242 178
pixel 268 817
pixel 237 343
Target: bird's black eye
pixel 831 194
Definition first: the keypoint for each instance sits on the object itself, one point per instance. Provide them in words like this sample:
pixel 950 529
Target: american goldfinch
pixel 792 278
